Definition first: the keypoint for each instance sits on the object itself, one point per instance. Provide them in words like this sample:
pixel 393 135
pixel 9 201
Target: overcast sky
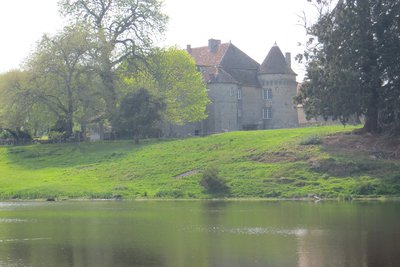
pixel 251 25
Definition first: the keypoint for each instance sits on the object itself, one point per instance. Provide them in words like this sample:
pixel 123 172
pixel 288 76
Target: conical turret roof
pixel 275 63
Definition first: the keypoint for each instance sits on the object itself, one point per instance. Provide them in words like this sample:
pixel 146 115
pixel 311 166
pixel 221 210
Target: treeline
pixel 103 73
pixel 353 63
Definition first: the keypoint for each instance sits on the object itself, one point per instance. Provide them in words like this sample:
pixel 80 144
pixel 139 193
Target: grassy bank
pixel 276 163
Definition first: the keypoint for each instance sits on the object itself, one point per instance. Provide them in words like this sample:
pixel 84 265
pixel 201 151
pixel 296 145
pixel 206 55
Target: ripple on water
pixel 23 240
pixel 7 205
pixel 252 231
pixel 12 220
pixel 13 263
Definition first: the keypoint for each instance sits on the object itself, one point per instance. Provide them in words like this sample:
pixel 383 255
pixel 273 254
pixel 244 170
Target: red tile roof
pixel 227 64
pixel 204 57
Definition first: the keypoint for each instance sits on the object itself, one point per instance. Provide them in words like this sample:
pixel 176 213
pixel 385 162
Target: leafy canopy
pixel 172 74
pixel 353 63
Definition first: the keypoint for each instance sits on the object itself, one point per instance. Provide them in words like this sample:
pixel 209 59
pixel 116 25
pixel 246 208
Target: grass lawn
pixel 287 163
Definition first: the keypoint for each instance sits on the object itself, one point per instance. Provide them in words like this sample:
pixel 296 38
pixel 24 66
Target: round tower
pixel 278 89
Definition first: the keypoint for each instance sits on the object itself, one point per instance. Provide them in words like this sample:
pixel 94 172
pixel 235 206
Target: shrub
pixel 211 181
pixel 272 194
pixel 365 188
pixel 311 140
pixel 14 137
pixel 169 194
pixel 56 137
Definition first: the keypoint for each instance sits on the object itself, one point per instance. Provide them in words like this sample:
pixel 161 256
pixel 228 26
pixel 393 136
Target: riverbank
pixel 315 162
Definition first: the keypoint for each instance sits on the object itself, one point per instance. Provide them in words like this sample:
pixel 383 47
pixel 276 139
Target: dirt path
pixel 375 147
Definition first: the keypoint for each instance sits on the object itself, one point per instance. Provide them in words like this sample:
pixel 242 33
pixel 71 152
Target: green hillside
pixel 289 163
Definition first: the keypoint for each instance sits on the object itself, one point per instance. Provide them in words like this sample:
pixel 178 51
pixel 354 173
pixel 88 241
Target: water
pixel 200 234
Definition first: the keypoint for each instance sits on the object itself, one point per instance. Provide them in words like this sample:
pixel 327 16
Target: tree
pixel 11 116
pixel 172 74
pixel 387 36
pixel 346 67
pixel 138 114
pixel 17 111
pixel 60 79
pixel 124 31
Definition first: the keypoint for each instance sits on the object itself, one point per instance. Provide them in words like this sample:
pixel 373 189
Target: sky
pixel 251 25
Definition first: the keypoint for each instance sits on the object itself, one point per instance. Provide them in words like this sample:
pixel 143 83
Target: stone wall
pixel 252 104
pixel 223 110
pixel 284 89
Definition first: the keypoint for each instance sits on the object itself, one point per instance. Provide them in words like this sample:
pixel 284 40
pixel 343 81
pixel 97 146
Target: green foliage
pixel 4 134
pixel 74 80
pixel 352 64
pixel 123 31
pixel 311 140
pixel 17 109
pixel 56 136
pixel 211 181
pixel 54 87
pixel 364 188
pixel 138 114
pixel 74 77
pixel 172 74
pixel 14 137
pixel 169 194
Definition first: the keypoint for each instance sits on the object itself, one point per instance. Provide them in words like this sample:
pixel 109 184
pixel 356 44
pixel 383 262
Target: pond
pixel 199 233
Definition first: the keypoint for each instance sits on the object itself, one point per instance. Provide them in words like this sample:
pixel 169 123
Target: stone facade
pixel 244 94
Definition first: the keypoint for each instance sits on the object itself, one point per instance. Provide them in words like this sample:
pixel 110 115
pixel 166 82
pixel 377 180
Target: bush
pixel 311 140
pixel 365 188
pixel 14 137
pixel 56 137
pixel 169 194
pixel 212 183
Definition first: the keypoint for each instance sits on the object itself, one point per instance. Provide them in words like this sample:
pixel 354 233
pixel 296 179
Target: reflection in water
pixel 359 236
pixel 24 239
pixel 251 231
pixel 11 220
pixel 309 249
pixel 316 250
pixel 200 233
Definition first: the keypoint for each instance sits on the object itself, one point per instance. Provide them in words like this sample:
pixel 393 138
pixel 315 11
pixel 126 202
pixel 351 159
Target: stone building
pixel 244 94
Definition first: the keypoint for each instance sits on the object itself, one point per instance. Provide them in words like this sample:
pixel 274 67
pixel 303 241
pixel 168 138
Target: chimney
pixel 288 59
pixel 189 48
pixel 213 45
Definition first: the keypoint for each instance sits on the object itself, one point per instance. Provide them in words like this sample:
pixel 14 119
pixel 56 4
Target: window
pixel 267 113
pixel 231 92
pixel 267 94
pixel 239 94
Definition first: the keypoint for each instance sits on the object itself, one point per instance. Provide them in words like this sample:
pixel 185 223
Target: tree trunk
pixel 68 126
pixel 371 117
pixel 101 130
pixel 83 132
pixel 136 139
pixel 371 122
pixel 110 94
